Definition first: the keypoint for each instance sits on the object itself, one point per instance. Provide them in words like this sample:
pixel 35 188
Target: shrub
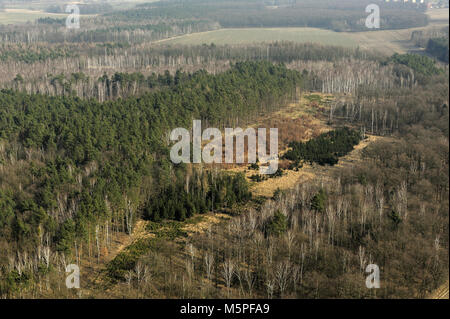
pixel 277 225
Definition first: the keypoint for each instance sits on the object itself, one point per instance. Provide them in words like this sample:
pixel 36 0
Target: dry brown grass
pixel 267 187
pixel 299 121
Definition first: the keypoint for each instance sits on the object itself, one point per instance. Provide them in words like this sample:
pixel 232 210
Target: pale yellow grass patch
pixel 206 222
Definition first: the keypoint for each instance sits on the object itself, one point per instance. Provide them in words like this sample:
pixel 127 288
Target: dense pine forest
pixel 438 47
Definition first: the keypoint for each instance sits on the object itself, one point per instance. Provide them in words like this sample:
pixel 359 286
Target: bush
pixel 277 225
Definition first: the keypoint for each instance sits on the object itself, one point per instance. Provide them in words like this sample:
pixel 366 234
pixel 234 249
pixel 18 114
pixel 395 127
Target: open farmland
pixel 384 41
pixel 438 15
pixel 254 35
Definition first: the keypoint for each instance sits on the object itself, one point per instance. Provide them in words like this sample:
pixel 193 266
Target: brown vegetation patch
pixel 204 222
pixel 299 121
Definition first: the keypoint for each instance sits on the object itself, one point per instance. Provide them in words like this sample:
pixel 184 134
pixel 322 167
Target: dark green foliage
pixel 325 149
pixel 18 78
pixel 7 207
pixel 277 225
pixel 259 178
pixel 51 21
pixel 318 201
pixel 14 282
pixel 419 63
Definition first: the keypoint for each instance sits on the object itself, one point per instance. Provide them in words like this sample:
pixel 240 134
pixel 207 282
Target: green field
pixel 249 35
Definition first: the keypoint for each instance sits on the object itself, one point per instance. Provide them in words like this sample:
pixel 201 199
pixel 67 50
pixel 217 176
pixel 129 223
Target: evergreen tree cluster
pixel 326 148
pixel 345 15
pixel 419 63
pixel 206 192
pixel 438 47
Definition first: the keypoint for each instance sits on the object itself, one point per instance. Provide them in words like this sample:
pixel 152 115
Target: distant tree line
pixel 92 168
pixel 419 63
pixel 204 193
pixel 347 15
